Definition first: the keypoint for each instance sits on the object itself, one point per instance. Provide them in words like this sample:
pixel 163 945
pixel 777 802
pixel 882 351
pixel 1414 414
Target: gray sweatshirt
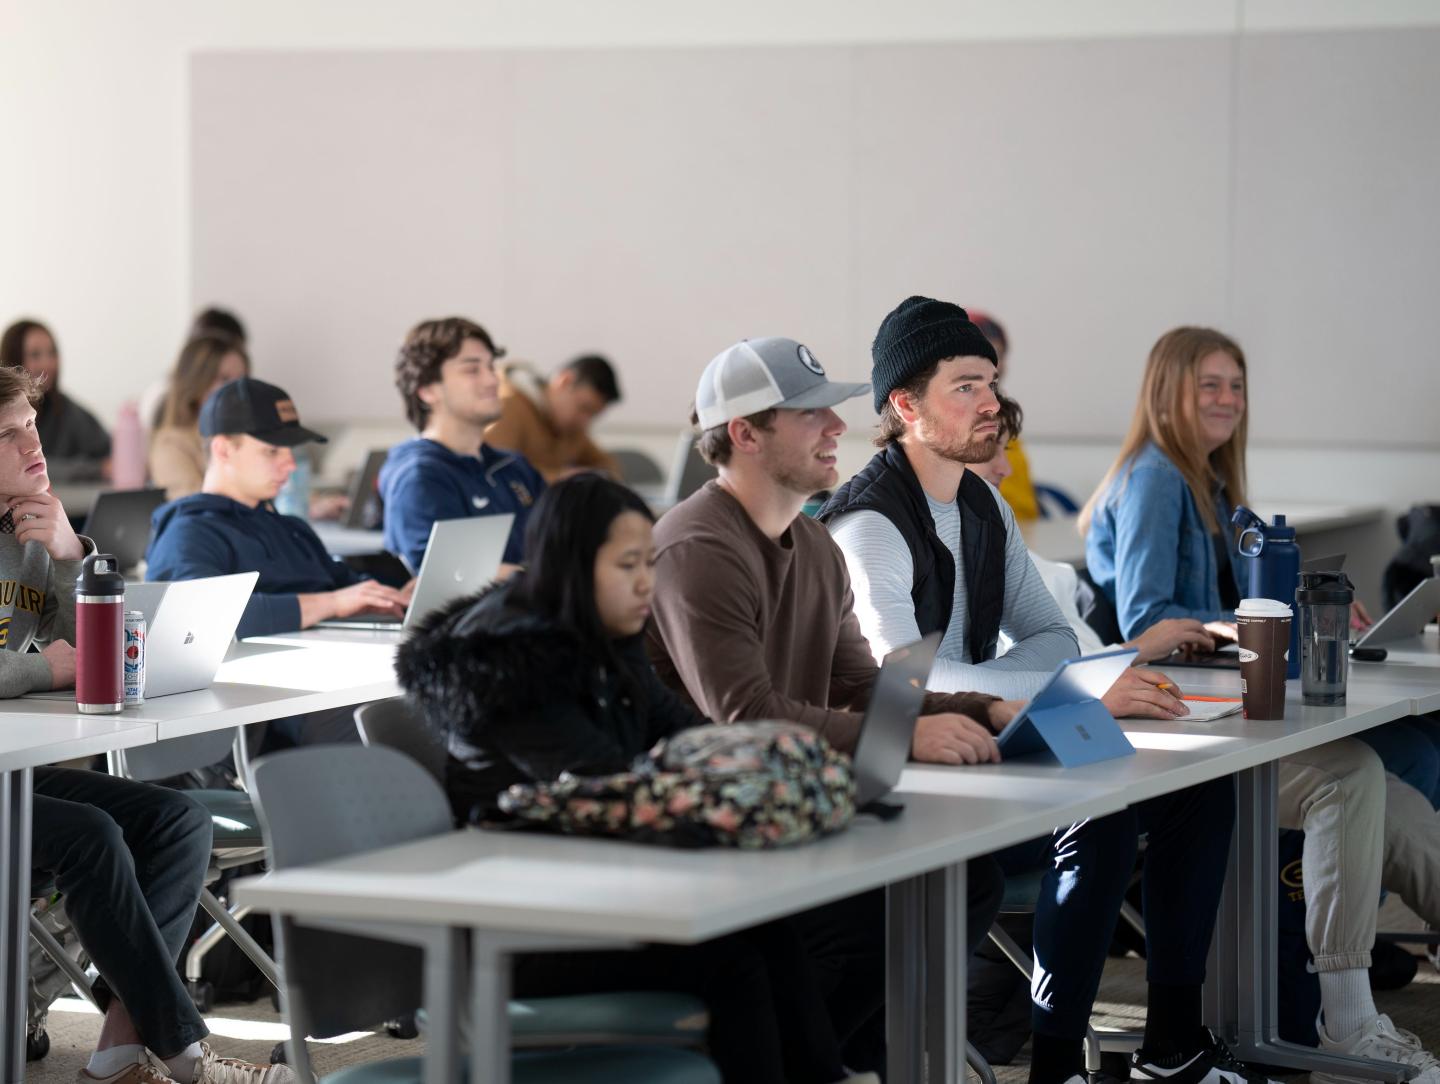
pixel 37 606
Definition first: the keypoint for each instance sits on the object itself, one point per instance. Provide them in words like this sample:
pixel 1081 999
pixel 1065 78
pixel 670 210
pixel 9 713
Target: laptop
pixel 119 522
pixel 1075 681
pixel 189 625
pixel 462 556
pixel 365 511
pixel 1409 617
pixel 888 728
pixel 1224 657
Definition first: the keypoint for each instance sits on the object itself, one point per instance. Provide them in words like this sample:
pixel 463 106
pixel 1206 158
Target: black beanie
pixel 918 333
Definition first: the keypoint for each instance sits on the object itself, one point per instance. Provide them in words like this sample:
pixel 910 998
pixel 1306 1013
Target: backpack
pixel 745 785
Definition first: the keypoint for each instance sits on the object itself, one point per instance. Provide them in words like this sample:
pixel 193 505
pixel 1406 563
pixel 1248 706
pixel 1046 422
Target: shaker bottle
pixel 1270 567
pixel 99 636
pixel 1263 625
pixel 1324 603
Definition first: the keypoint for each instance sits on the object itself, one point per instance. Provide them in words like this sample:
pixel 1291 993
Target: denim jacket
pixel 1148 548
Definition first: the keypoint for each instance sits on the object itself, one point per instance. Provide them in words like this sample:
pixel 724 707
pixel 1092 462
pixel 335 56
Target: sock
pixel 1054 1060
pixel 182 1065
pixel 1173 1018
pixel 110 1061
pixel 1346 1002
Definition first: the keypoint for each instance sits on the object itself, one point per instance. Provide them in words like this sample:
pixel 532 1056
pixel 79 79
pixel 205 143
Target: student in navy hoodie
pixel 446 375
pixel 249 428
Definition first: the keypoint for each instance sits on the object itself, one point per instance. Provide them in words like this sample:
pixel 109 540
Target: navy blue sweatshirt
pixel 423 481
pixel 208 535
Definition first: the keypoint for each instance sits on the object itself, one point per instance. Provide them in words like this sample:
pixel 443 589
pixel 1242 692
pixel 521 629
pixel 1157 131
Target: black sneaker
pixel 1212 1063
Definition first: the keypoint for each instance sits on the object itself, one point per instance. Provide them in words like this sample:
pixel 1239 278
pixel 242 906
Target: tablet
pixel 1074 682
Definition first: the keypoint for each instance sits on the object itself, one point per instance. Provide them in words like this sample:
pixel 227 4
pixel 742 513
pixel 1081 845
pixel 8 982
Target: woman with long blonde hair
pixel 1157 535
pixel 177 454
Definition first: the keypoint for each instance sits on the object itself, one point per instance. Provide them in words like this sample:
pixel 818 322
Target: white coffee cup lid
pixel 1262 607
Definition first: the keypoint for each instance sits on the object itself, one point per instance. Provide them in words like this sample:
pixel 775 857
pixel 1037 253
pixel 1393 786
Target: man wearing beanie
pixel 753 620
pixel 930 546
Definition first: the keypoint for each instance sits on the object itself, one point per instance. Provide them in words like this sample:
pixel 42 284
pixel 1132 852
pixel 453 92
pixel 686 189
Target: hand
pixel 41 519
pixel 1223 630
pixel 951 738
pixel 408 591
pixel 367 597
pixel 61 658
pixel 328 505
pixel 1139 692
pixel 1002 711
pixel 506 571
pixel 1360 618
pixel 1164 638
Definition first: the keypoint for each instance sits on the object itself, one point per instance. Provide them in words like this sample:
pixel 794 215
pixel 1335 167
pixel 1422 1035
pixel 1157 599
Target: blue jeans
pixel 1089 867
pixel 130 860
pixel 1410 749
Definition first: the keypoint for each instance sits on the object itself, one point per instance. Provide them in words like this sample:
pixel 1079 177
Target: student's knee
pixel 86 843
pixel 190 821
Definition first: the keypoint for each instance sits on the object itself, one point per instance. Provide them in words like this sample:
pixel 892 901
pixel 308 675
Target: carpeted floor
pixel 249 1031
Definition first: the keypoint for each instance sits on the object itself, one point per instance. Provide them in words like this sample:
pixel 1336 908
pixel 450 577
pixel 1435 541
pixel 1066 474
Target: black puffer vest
pixel 888 485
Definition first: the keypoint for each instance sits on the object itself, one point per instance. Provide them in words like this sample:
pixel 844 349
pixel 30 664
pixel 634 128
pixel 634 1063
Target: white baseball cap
pixel 760 374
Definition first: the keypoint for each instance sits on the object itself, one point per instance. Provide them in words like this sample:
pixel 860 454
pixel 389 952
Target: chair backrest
pixel 689 471
pixel 177 755
pixel 396 724
pixel 637 468
pixel 326 802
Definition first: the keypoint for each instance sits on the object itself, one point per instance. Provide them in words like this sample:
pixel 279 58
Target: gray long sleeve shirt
pixel 881 573
pixel 37 606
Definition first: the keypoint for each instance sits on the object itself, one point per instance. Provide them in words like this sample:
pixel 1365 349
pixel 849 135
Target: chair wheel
pixel 402 1027
pixel 202 993
pixel 277 1054
pixel 37 1045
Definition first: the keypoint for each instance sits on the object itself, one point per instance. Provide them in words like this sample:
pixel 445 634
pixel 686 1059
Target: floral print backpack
pixel 746 785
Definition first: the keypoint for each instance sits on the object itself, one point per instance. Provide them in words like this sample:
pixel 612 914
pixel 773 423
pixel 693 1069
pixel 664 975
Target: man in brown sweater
pixel 754 620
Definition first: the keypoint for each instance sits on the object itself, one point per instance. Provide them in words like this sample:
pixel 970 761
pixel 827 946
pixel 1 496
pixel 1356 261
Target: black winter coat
pixel 520 699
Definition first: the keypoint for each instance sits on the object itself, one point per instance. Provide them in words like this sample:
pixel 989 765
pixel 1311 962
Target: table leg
pixel 14 919
pixel 946 955
pixel 490 989
pixel 444 993
pixel 905 978
pixel 1244 1005
pixel 925 977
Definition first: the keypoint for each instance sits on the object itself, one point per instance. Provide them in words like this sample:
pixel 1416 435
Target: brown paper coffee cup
pixel 1264 628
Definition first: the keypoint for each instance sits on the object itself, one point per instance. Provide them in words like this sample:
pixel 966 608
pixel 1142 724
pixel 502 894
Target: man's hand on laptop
pixel 1223 630
pixel 408 591
pixel 41 519
pixel 60 656
pixel 1002 711
pixel 1164 638
pixel 1146 693
pixel 951 738
pixel 366 597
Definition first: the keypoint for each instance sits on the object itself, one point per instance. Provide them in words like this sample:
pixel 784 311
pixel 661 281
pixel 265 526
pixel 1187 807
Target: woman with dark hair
pixel 177 454
pixel 547 673
pixel 77 448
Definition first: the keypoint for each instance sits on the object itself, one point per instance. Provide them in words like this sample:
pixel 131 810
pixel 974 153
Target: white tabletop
pixel 348 541
pixel 28 742
pixel 528 882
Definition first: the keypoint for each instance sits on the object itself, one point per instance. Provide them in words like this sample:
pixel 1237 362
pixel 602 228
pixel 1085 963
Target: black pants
pixel 768 1022
pixel 334 726
pixel 1089 867
pixel 130 860
pixel 846 941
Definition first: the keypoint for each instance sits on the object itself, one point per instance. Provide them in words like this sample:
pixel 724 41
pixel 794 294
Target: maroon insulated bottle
pixel 99 636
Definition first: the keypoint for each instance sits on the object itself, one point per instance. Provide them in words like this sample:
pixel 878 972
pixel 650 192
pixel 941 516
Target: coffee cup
pixel 1264 631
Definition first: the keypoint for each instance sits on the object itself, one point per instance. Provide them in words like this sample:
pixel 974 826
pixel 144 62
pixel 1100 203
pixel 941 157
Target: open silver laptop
pixel 189 627
pixel 1409 617
pixel 888 729
pixel 462 556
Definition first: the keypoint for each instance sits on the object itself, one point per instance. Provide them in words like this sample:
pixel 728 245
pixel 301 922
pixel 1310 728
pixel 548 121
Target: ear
pixel 563 379
pixel 220 449
pixel 905 405
pixel 744 437
pixel 426 393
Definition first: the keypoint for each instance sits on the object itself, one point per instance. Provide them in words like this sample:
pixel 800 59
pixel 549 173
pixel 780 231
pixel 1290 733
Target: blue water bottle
pixel 1270 568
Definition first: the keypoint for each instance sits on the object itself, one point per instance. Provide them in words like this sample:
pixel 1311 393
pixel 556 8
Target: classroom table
pixel 259 681
pixel 348 541
pixel 498 885
pixel 26 744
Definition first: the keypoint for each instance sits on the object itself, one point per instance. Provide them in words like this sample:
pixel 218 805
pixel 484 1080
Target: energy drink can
pixel 134 657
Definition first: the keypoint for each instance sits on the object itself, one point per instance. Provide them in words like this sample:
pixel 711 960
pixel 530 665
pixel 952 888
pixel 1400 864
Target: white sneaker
pixel 1379 1039
pixel 213 1069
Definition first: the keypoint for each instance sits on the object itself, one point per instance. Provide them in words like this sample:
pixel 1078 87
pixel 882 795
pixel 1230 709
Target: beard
pixel 958 449
pixel 802 477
